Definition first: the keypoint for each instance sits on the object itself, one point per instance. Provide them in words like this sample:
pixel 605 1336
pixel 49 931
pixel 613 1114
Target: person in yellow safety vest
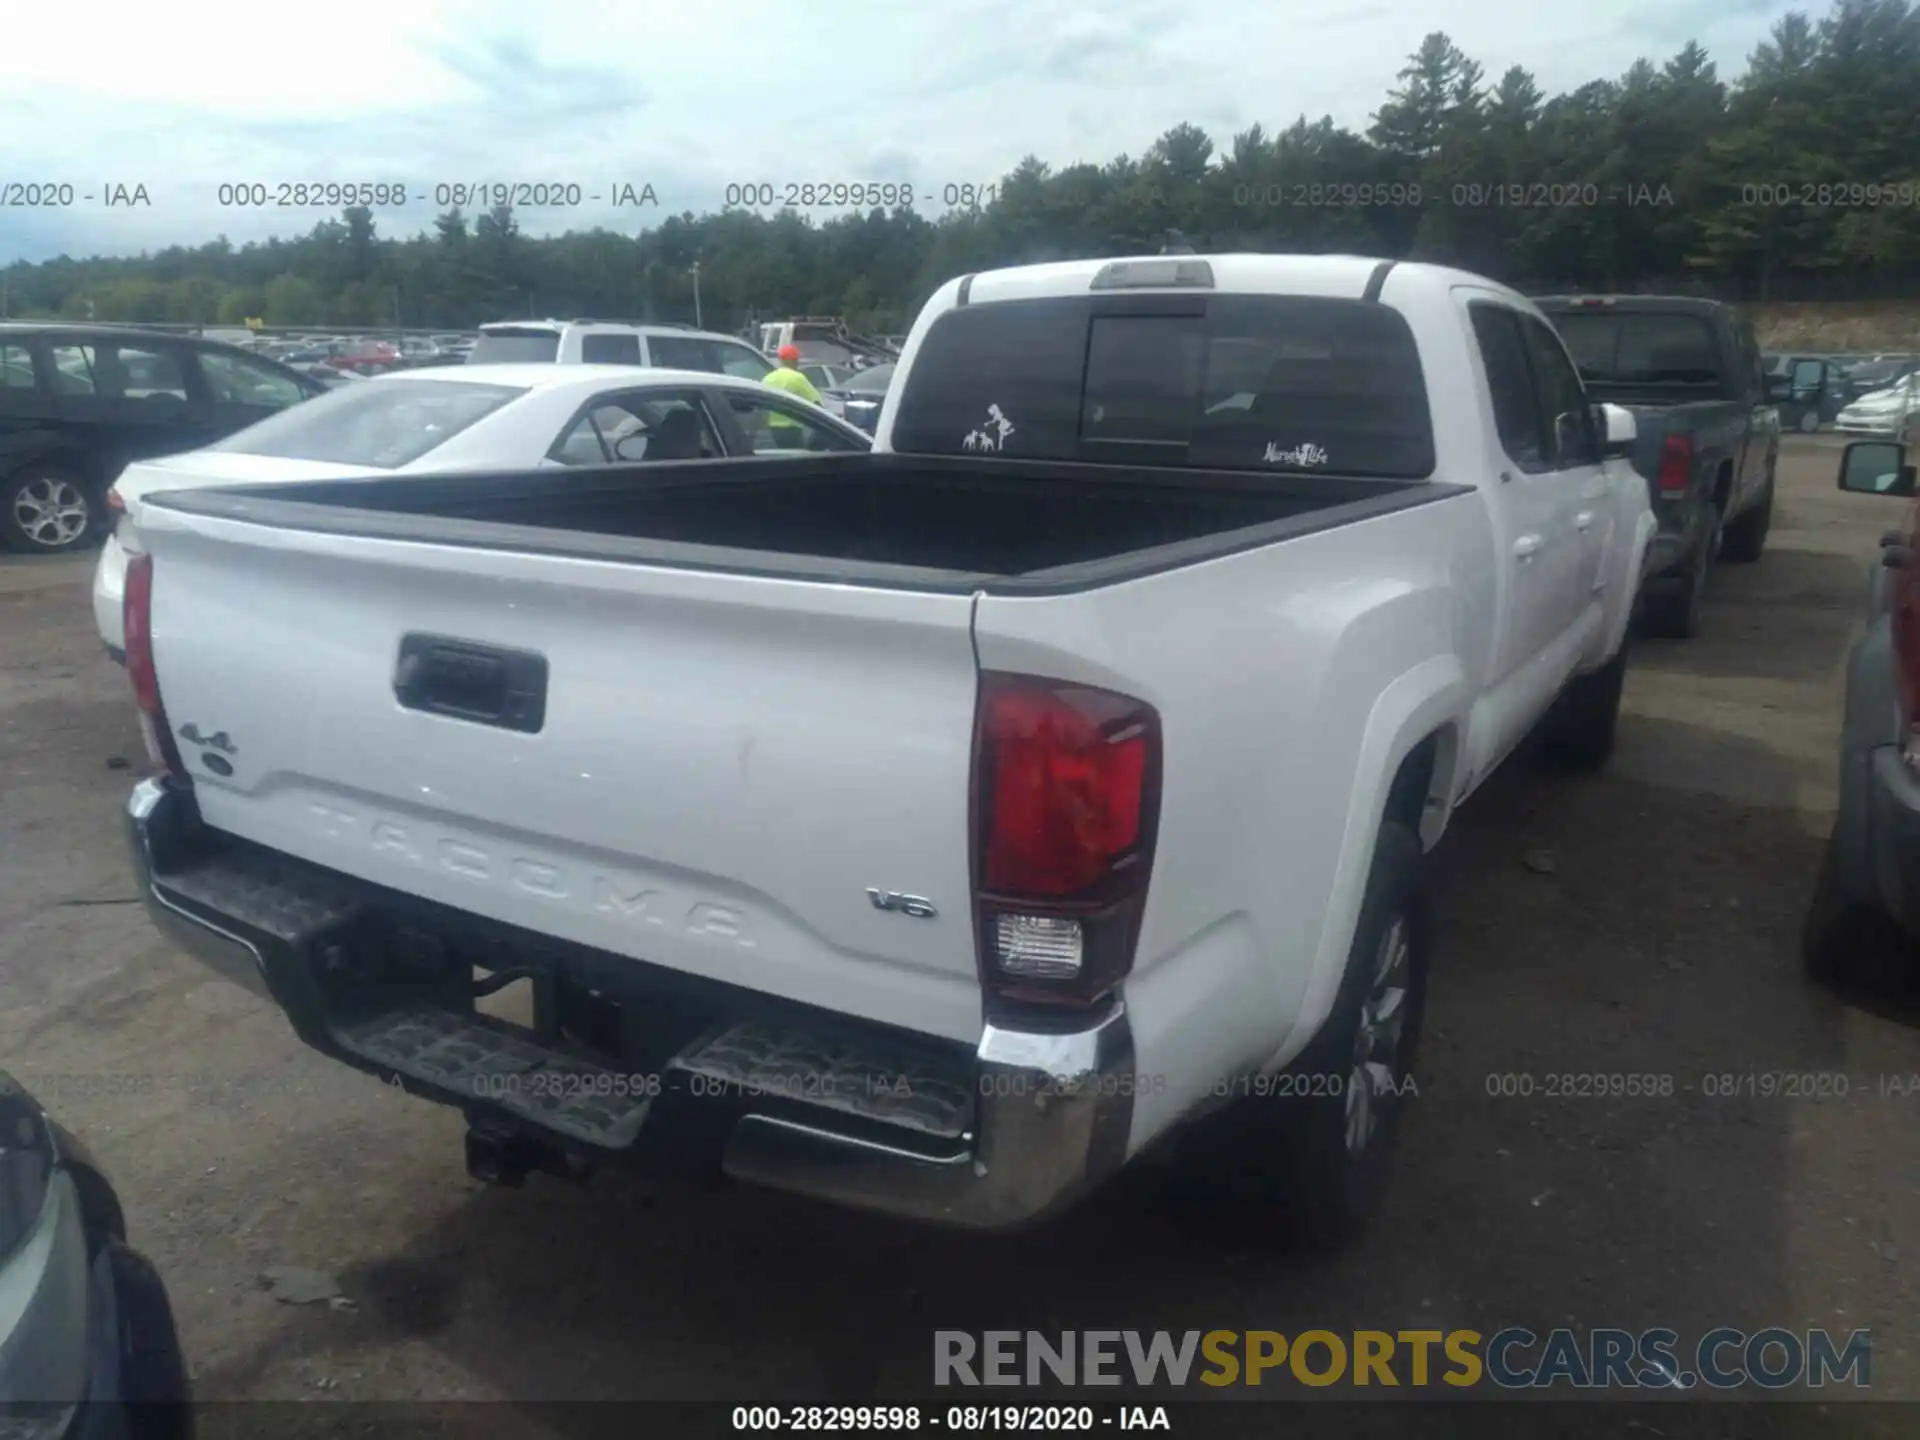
pixel 785 432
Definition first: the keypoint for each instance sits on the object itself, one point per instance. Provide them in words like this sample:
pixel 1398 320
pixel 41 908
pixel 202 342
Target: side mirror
pixel 1876 467
pixel 631 446
pixel 1778 388
pixel 1618 429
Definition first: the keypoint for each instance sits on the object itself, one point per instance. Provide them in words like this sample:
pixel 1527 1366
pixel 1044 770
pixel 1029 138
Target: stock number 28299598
pixel 826 1417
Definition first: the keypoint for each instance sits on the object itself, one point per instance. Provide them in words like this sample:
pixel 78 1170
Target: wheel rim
pixel 1809 422
pixel 1376 1044
pixel 50 512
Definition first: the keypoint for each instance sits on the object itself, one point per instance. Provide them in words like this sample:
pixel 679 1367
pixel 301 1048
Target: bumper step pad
pixel 849 1075
pixel 558 1092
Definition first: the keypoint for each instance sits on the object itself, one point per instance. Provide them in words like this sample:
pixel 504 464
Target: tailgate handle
pixel 484 684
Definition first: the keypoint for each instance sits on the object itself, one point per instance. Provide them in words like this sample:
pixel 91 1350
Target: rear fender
pixel 1431 699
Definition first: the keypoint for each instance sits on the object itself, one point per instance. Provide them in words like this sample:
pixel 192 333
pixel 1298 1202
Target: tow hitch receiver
pixel 497 1156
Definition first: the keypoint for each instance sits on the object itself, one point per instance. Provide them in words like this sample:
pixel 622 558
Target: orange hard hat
pixel 790 352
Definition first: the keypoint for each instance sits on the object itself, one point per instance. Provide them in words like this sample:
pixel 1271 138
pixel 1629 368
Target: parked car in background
pixel 88 1345
pixel 826 377
pixel 1708 433
pixel 606 342
pixel 1882 412
pixel 78 403
pixel 1170 703
pixel 1865 912
pixel 1814 390
pixel 476 418
pixel 858 398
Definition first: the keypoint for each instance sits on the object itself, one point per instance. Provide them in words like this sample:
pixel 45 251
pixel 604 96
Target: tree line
pixel 1799 179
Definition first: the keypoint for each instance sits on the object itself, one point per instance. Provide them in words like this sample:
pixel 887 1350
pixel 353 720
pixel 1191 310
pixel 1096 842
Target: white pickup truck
pixel 931 830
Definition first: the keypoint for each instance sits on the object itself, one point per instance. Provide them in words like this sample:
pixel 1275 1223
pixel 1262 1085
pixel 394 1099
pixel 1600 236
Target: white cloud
pixel 692 97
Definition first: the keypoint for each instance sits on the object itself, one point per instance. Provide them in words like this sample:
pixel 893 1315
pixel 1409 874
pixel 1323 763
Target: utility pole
pixel 697 323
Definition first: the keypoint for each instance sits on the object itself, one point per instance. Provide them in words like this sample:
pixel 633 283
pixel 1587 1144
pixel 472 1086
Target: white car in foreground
pixel 479 417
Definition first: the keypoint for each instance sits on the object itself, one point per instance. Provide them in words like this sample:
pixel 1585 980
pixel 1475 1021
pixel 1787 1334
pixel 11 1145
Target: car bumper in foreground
pixel 89 1349
pixel 1013 1131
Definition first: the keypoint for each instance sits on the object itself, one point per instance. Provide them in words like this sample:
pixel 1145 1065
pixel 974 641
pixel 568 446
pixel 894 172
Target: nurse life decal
pixel 1306 455
pixel 992 435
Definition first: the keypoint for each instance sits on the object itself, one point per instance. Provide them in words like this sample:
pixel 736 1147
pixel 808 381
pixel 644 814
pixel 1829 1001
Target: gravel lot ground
pixel 1660 940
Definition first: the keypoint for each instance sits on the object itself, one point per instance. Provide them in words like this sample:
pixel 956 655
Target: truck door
pixel 1532 505
pixel 1574 459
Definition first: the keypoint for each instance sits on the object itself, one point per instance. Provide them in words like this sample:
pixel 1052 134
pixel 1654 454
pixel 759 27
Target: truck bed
pixel 921 522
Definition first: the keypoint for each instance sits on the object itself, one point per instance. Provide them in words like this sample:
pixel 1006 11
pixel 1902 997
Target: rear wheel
pixel 1676 614
pixel 45 511
pixel 1311 1147
pixel 1746 537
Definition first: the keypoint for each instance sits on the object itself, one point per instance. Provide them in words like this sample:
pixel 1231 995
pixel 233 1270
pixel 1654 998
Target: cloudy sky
pixel 689 97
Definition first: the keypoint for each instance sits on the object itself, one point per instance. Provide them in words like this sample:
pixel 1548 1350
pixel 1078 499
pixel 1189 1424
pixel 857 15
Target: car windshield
pixel 381 425
pixel 1640 349
pixel 525 345
pixel 871 381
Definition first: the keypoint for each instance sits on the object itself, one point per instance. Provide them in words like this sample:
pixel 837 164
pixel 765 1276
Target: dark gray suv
pixel 79 402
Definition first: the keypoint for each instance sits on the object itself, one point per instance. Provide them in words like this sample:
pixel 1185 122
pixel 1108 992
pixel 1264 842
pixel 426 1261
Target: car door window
pixel 610 349
pixel 239 380
pixel 776 429
pixel 639 425
pixel 681 352
pixel 16 368
pixel 1563 399
pixel 73 370
pixel 1516 405
pixel 742 361
pixel 140 374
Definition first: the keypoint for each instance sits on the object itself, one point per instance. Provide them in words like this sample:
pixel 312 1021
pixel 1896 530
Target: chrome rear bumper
pixel 1049 1120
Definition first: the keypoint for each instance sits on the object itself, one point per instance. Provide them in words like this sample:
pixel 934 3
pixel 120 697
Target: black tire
pixel 1582 723
pixel 1676 614
pixel 48 510
pixel 1743 540
pixel 1845 943
pixel 153 1369
pixel 1288 1152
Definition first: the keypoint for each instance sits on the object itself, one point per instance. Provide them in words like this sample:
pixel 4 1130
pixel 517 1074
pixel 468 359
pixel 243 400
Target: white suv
pixel 609 342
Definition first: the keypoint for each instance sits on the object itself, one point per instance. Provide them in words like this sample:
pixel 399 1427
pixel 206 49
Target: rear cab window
pixel 1284 383
pixel 1629 348
pixel 516 345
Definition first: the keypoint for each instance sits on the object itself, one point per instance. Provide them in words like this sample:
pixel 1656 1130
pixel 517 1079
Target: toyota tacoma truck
pixel 934 829
pixel 1708 432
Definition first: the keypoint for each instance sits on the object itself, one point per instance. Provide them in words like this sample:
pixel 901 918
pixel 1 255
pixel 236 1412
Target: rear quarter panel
pixel 1291 680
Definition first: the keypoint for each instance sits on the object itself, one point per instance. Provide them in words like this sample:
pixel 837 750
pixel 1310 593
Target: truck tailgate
pixel 724 767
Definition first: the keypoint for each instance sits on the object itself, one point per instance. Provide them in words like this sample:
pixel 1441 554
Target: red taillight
pixel 136 624
pixel 1676 467
pixel 1067 804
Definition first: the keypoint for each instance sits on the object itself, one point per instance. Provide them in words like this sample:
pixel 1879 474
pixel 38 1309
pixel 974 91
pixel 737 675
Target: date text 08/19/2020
pixel 962 1419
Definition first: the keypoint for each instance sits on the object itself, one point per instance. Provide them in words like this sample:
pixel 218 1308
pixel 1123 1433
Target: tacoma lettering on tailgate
pixel 622 897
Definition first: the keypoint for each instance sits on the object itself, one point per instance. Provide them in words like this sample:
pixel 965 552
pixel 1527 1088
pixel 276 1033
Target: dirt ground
pixel 1642 921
